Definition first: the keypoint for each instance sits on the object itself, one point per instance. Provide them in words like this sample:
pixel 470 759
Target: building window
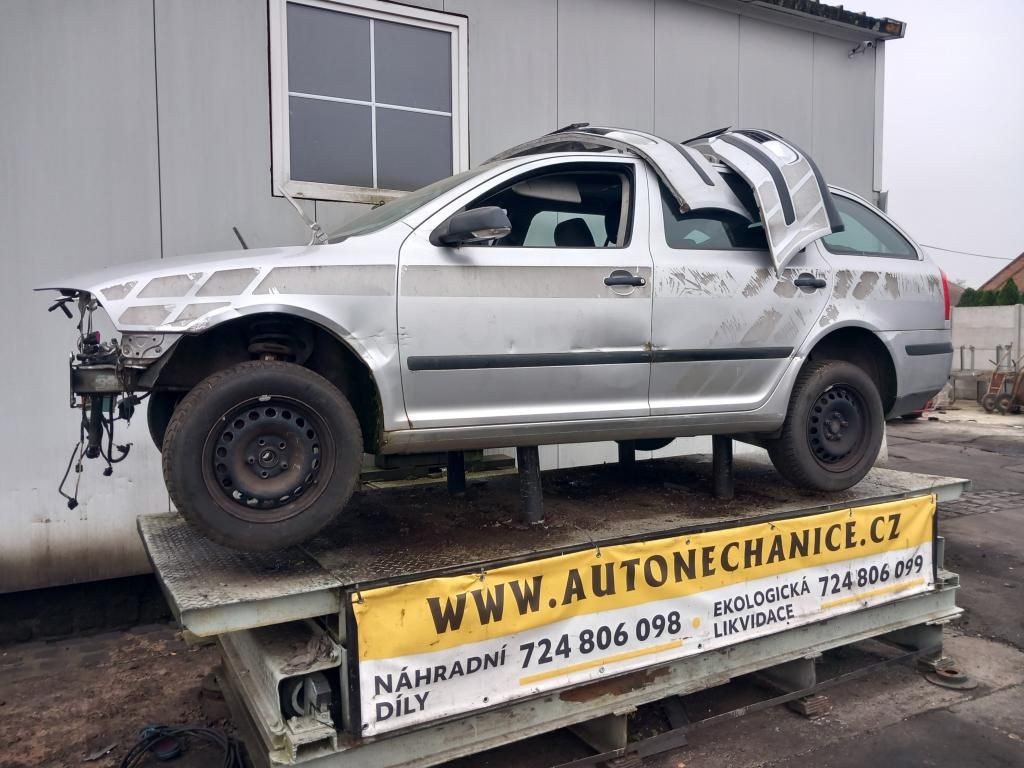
pixel 368 98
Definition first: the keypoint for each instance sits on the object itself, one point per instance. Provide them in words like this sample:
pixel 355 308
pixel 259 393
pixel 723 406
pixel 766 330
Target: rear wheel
pixel 262 455
pixel 988 402
pixel 1004 403
pixel 833 429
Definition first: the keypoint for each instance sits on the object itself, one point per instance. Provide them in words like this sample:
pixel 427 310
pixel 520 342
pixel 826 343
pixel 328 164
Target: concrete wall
pixel 984 329
pixel 140 129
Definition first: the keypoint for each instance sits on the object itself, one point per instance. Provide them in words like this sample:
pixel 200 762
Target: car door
pixel 726 322
pixel 544 324
pixel 795 204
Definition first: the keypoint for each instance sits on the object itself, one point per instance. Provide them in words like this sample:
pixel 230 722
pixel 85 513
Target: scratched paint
pixel 865 285
pixel 829 316
pixel 785 287
pixel 763 328
pixel 844 281
pixel 756 283
pixel 119 291
pixel 892 285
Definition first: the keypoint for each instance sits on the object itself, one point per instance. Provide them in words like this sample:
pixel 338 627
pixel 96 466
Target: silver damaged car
pixel 591 284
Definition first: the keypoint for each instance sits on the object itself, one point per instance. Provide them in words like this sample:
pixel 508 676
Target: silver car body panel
pixel 747 320
pixel 502 335
pixel 690 177
pixel 393 298
pixel 795 202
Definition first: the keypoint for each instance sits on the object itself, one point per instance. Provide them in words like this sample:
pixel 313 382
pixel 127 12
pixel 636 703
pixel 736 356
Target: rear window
pixel 709 229
pixel 866 233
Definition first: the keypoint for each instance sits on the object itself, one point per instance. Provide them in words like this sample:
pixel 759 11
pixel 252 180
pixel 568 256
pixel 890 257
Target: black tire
pixel 159 409
pixel 1004 402
pixel 833 429
pixel 650 443
pixel 262 455
pixel 988 402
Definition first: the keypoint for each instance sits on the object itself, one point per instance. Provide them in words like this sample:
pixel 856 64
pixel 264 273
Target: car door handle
pixel 809 281
pixel 622 277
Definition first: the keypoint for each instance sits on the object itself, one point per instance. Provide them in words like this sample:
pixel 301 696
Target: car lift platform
pixel 308 633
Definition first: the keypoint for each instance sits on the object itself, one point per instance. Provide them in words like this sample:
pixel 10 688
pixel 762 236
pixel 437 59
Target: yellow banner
pixel 446 612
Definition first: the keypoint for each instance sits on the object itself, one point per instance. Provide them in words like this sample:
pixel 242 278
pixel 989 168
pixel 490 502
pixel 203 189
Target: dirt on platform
pixel 83 701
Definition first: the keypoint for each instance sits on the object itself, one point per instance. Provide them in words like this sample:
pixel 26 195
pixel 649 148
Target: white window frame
pixel 456 26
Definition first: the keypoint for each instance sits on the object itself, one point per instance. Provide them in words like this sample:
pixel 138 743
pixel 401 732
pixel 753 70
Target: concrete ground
pixel 63 703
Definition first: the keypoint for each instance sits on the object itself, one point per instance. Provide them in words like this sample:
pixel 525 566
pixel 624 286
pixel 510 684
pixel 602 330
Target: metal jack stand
pixel 627 455
pixel 456 473
pixel 532 511
pixel 722 474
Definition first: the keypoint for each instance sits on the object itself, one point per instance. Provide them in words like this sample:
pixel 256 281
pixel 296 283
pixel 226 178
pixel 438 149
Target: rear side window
pixel 709 229
pixel 866 234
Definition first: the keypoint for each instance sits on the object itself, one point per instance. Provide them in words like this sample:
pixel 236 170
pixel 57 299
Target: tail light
pixel 945 292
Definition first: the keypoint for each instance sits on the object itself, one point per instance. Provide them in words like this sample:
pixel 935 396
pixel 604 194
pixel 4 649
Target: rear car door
pixel 726 322
pixel 526 329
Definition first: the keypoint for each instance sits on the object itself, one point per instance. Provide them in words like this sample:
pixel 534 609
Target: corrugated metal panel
pixel 79 169
pixel 513 65
pixel 696 69
pixel 775 86
pixel 606 63
pixel 844 113
pixel 215 128
pixel 79 158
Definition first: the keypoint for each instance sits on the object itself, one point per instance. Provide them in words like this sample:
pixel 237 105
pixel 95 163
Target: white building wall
pixel 980 330
pixel 140 129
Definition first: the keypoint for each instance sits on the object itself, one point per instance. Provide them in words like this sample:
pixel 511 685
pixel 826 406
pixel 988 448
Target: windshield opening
pixel 390 212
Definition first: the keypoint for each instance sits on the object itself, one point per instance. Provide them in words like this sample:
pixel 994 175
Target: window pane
pixel 330 142
pixel 413 148
pixel 541 233
pixel 866 233
pixel 709 230
pixel 328 53
pixel 413 66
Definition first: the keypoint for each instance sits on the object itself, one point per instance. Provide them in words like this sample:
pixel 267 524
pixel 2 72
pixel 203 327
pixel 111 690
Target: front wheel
pixel 262 455
pixel 833 429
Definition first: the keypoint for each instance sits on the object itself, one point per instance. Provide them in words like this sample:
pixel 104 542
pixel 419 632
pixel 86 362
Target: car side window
pixel 578 206
pixel 866 234
pixel 709 229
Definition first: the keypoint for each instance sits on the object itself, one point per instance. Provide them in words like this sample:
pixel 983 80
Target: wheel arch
pixel 862 347
pixel 314 345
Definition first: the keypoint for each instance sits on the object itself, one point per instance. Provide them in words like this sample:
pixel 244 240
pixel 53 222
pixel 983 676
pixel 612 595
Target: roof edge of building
pixel 816 16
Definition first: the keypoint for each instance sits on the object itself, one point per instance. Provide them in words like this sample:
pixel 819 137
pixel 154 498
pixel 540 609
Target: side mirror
pixel 474 226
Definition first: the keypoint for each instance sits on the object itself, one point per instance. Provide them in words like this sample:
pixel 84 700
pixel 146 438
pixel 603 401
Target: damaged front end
pixel 106 379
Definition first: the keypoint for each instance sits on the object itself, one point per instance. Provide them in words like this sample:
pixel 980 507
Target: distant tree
pixel 969 298
pixel 1008 294
pixel 986 298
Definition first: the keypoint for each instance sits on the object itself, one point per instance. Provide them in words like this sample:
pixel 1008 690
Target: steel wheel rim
pixel 837 427
pixel 268 459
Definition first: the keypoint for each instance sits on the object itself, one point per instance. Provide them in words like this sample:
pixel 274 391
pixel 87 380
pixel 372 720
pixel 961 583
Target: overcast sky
pixel 954 128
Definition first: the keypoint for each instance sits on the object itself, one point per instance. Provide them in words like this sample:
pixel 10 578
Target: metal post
pixel 722 476
pixel 627 454
pixel 532 511
pixel 456 473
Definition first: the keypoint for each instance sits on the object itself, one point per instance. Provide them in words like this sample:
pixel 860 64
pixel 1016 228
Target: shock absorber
pixel 93 418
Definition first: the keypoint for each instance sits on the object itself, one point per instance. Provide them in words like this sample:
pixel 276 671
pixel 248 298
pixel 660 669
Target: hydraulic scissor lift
pixel 289 623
